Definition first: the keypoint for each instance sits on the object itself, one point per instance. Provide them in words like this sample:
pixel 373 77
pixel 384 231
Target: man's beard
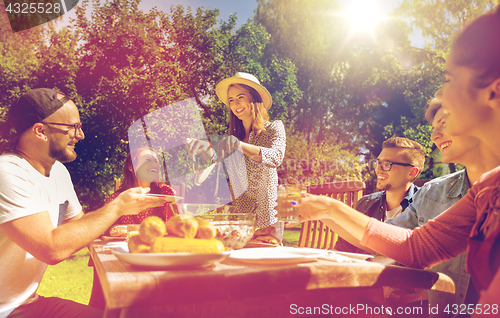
pixel 384 187
pixel 60 153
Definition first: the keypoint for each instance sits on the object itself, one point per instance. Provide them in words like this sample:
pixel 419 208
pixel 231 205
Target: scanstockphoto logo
pixel 26 14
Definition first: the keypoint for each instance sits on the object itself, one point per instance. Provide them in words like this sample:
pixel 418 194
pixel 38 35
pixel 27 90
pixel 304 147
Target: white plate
pixel 113 238
pixel 259 244
pixel 278 255
pixel 165 260
pixel 355 255
pixel 171 197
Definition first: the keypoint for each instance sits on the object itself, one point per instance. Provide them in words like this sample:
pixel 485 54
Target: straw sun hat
pixel 247 79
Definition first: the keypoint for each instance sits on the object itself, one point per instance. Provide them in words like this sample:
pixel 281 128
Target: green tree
pixel 314 163
pixel 308 39
pixel 207 54
pixel 440 20
pixel 22 55
pixel 353 84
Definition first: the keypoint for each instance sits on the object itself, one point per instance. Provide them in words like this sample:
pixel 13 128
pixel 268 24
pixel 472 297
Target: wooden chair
pixel 421 182
pixel 316 234
pixel 180 189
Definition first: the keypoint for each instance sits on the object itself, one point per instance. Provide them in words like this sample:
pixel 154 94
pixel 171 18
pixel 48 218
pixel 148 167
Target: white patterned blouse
pixel 261 195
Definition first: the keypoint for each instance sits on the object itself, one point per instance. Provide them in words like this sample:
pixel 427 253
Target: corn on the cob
pixel 186 245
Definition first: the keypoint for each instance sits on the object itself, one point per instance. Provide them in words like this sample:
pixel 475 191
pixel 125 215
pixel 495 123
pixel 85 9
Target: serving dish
pixel 166 260
pixel 233 229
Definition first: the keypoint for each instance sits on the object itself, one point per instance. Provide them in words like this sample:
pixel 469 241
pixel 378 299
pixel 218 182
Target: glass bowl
pixel 194 209
pixel 233 229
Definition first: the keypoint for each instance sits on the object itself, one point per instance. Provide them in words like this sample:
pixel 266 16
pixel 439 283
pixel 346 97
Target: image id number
pixel 470 309
pixel 25 8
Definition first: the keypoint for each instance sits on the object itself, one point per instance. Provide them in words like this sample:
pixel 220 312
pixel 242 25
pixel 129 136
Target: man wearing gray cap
pixel 41 220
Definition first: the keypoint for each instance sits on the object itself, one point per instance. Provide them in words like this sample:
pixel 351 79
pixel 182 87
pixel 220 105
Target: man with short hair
pixel 41 220
pixel 397 166
pixel 437 195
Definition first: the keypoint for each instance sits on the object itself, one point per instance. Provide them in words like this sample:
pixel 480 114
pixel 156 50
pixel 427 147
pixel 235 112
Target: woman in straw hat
pixel 262 142
pixel 471 96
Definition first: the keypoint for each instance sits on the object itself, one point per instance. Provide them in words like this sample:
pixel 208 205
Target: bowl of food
pixel 233 229
pixel 194 209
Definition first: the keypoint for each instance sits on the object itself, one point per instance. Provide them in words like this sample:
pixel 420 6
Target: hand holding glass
pixel 195 147
pixel 198 146
pixel 289 193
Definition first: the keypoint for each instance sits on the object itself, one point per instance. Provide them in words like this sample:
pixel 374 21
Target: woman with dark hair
pixel 141 169
pixel 263 144
pixel 471 97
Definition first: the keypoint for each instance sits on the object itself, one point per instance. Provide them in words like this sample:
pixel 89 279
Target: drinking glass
pixel 286 194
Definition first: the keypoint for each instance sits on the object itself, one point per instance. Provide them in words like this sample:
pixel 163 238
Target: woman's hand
pixel 228 145
pixel 266 235
pixel 312 207
pixel 135 200
pixel 198 146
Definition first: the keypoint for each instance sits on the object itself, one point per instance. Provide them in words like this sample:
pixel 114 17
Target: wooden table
pixel 235 289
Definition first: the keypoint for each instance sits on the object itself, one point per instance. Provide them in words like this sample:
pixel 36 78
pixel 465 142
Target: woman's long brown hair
pixel 259 115
pixel 130 180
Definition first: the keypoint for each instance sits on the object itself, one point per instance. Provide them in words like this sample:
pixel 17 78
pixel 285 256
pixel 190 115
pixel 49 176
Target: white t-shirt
pixel 24 191
pixel 394 212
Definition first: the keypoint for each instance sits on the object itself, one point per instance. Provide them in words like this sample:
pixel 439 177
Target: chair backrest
pixel 421 182
pixel 180 189
pixel 316 234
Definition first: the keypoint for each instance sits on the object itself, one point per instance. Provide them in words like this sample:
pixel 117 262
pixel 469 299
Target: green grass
pixel 291 236
pixel 72 278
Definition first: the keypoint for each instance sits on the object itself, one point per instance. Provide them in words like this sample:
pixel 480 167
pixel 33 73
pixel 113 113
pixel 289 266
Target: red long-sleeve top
pixel 472 224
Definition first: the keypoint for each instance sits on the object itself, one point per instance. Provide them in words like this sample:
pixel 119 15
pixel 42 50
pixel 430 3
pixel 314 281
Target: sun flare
pixel 363 15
